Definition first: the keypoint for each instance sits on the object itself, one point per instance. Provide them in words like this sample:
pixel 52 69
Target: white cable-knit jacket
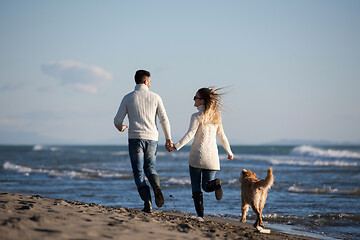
pixel 204 151
pixel 142 106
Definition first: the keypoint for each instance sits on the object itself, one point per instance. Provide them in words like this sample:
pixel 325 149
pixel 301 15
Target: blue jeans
pixel 143 159
pixel 195 176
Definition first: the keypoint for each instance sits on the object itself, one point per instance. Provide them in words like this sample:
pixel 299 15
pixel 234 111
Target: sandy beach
pixel 35 217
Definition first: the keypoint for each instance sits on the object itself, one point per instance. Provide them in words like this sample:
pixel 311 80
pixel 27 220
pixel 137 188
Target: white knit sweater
pixel 142 106
pixel 204 151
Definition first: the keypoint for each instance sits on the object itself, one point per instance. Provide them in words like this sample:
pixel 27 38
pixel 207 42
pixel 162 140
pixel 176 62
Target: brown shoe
pixel 215 185
pixel 146 197
pixel 159 198
pixel 219 193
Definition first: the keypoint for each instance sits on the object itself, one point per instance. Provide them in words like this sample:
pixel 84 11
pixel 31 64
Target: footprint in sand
pixel 47 230
pixel 14 222
pixel 35 218
pixel 116 222
pixel 3 204
pixel 25 205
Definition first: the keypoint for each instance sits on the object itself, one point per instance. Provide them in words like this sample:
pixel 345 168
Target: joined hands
pixel 169 145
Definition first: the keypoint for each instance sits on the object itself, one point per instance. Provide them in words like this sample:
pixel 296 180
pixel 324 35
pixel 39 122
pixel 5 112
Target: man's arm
pixel 165 124
pixel 120 115
pixel 164 120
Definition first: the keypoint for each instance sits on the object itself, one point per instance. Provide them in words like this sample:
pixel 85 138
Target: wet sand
pixel 35 217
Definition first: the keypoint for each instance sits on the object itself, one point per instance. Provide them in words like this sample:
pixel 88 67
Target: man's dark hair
pixel 140 76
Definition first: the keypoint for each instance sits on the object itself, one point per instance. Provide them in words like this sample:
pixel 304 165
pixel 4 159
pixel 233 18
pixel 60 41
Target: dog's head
pixel 247 174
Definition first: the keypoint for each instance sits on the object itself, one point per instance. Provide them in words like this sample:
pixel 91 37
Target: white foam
pixel 38 148
pixel 179 181
pixel 85 173
pixel 44 148
pixel 310 163
pixel 274 161
pixel 328 153
pixel 173 154
pixel 104 173
pixel 27 170
pixel 18 168
pixel 234 181
pixel 325 190
pixel 162 154
pixel 120 153
pixel 336 163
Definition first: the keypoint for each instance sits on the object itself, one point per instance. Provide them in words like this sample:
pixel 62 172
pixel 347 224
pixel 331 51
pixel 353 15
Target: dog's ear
pixel 243 173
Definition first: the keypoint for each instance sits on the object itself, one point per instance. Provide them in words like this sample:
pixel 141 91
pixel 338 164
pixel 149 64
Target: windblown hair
pixel 213 105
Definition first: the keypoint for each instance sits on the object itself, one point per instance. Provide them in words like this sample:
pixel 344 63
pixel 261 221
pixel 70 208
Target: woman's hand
pixel 172 148
pixel 231 157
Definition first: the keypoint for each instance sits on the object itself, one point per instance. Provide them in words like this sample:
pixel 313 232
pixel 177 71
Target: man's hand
pixel 123 127
pixel 231 157
pixel 169 145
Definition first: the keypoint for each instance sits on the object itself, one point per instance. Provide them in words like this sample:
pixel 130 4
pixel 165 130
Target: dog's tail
pixel 267 182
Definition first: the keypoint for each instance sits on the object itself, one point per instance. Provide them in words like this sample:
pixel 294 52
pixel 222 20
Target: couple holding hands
pixel 142 107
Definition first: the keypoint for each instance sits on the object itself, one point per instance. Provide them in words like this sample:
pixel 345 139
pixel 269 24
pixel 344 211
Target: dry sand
pixel 35 217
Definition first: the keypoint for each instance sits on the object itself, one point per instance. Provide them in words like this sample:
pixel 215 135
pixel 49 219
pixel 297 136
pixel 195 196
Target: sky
pixel 291 69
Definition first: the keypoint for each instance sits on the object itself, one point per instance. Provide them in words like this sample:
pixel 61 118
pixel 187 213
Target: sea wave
pixel 18 168
pixel 318 219
pixel 173 154
pixel 84 173
pixel 177 181
pixel 306 150
pixel 119 153
pixel 232 181
pixel 337 163
pixel 300 161
pixel 44 148
pixel 336 219
pixel 325 190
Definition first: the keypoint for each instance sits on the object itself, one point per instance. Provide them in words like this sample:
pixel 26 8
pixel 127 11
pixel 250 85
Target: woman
pixel 205 125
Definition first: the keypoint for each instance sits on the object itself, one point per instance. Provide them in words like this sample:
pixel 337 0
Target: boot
pixel 199 203
pixel 155 183
pixel 215 185
pixel 144 193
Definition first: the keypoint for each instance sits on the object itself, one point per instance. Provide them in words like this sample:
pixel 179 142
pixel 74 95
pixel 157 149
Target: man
pixel 142 107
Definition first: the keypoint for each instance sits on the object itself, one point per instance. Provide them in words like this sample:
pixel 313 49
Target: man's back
pixel 142 107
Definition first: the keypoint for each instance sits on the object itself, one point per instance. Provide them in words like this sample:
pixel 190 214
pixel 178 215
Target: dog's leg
pixel 261 207
pixel 244 210
pixel 256 210
pixel 260 219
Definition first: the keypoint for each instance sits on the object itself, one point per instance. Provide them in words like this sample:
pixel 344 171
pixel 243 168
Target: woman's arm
pixel 194 124
pixel 224 141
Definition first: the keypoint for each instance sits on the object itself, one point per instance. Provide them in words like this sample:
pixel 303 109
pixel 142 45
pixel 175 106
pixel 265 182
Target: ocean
pixel 316 191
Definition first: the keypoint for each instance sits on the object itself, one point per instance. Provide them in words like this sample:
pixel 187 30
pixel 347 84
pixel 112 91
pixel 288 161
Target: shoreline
pixel 36 217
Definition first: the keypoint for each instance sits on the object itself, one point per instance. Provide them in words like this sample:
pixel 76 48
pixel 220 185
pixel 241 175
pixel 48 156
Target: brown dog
pixel 254 193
